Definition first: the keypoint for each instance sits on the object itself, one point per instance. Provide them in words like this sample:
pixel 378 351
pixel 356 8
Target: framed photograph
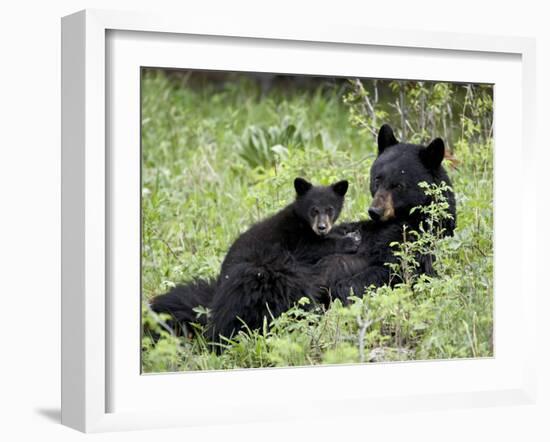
pixel 256 214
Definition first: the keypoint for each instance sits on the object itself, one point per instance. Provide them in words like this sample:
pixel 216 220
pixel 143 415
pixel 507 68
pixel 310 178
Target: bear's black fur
pixel 394 178
pixel 180 302
pixel 269 267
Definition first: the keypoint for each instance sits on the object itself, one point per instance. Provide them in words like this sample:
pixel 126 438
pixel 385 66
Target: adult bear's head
pixel 396 173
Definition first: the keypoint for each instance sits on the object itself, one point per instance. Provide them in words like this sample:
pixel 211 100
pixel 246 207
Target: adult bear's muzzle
pixel 382 208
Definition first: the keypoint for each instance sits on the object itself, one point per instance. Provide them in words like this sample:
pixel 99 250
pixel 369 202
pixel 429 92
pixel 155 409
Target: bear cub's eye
pixel 314 211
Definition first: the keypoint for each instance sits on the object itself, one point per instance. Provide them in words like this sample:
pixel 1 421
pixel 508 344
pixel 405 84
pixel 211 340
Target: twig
pixel 368 104
pixel 402 107
pixel 167 246
pixel 362 160
pixel 362 331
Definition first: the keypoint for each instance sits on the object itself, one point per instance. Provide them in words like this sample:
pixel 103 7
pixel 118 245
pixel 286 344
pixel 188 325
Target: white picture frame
pixel 95 344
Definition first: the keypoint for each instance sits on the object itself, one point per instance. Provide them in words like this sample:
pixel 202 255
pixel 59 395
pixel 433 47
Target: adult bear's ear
pixel 341 187
pixel 432 156
pixel 302 186
pixel 386 138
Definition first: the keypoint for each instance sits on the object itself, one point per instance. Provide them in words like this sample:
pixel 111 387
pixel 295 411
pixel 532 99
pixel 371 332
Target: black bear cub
pixel 394 178
pixel 269 267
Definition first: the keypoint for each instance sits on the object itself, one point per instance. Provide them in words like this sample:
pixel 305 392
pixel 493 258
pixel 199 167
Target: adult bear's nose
pixel 375 213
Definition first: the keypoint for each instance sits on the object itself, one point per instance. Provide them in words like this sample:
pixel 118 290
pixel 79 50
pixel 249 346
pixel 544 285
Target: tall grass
pixel 220 155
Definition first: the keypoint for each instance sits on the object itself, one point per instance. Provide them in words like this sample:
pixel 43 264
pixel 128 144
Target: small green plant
pixel 424 244
pixel 364 109
pixel 262 147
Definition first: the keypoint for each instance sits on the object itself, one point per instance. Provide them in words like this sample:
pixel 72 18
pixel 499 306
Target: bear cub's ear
pixel 340 188
pixel 302 186
pixel 433 155
pixel 386 138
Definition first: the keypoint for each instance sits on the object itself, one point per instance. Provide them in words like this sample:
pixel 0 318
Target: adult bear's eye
pixel 398 186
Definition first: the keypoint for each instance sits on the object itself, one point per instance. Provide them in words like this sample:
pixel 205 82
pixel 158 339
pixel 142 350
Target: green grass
pixel 220 156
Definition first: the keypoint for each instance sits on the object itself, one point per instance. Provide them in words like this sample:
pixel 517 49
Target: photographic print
pixel 295 220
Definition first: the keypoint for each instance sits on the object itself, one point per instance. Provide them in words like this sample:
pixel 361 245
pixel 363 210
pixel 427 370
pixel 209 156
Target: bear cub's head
pixel 319 206
pixel 396 173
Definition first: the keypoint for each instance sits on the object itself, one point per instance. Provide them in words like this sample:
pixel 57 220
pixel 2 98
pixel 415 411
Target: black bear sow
pixel 269 267
pixel 394 185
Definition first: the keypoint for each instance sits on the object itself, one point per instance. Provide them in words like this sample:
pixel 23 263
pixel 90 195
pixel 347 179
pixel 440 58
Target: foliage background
pixel 220 151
